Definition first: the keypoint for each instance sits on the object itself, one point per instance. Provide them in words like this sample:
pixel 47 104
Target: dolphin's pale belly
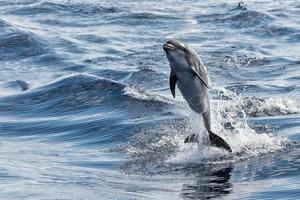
pixel 194 92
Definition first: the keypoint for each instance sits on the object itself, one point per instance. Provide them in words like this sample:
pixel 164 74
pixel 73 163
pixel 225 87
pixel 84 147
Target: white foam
pixel 285 104
pixel 253 106
pixel 244 140
pixel 143 95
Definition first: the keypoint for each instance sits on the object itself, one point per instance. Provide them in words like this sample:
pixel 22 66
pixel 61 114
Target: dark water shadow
pixel 210 182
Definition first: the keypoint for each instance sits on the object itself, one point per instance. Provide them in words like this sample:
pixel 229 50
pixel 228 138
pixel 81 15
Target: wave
pixel 94 38
pixel 154 150
pixel 251 88
pixel 78 92
pixel 12 87
pixel 294 37
pixel 246 61
pixel 20 45
pixel 273 31
pixel 142 18
pixel 247 18
pixel 64 9
pixel 143 95
pixel 110 112
pixel 161 149
pixel 239 105
pixel 238 18
pixel 250 22
pixel 256 107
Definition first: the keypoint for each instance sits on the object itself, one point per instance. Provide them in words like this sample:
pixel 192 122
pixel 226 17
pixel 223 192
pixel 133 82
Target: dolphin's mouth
pixel 173 44
pixel 168 46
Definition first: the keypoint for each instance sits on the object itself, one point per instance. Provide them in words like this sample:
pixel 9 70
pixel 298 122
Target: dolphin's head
pixel 179 55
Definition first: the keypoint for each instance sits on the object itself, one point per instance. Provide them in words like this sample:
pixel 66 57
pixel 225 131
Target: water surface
pixel 86 111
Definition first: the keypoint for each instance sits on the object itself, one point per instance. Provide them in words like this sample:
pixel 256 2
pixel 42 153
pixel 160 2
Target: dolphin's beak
pixel 167 46
pixel 173 44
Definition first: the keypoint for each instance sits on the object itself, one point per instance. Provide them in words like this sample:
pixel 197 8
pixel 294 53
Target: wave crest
pixel 144 95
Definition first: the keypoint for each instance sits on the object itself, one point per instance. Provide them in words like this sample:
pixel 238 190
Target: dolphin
pixel 24 86
pixel 189 73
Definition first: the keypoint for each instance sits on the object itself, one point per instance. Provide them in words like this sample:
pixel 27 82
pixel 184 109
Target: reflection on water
pixel 209 183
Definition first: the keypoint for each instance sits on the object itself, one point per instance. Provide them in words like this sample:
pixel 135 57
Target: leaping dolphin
pixel 188 71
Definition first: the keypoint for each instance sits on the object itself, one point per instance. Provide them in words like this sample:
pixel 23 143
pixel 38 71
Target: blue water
pixel 86 111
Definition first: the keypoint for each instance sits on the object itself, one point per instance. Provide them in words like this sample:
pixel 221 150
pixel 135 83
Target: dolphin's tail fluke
pixel 214 139
pixel 219 142
pixel 193 138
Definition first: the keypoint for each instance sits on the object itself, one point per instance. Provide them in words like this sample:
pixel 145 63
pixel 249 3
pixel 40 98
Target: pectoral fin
pixel 193 138
pixel 200 77
pixel 172 81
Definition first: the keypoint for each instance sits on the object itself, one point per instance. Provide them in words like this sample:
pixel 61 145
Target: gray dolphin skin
pixel 189 73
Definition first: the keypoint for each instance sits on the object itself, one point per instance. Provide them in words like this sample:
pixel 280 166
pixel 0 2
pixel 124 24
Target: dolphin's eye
pixel 185 50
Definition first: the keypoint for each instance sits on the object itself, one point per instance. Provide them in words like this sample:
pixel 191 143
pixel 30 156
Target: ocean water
pixel 86 111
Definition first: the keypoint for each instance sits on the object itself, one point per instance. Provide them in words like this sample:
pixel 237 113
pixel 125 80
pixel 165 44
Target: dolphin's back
pixel 199 67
